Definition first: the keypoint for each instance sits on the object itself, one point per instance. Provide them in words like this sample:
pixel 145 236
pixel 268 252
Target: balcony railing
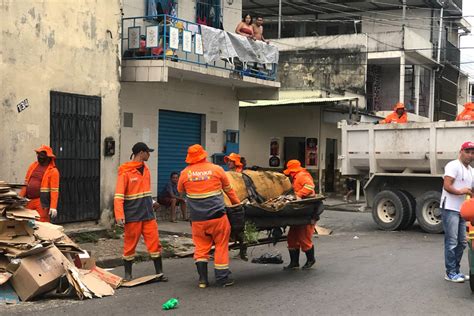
pixel 168 38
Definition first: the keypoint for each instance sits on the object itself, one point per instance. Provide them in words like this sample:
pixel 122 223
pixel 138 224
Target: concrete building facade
pixel 60 66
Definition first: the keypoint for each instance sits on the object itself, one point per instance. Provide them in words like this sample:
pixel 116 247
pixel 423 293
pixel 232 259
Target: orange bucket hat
pixel 235 158
pixel 47 149
pixel 469 106
pixel 293 166
pixel 399 105
pixel 195 154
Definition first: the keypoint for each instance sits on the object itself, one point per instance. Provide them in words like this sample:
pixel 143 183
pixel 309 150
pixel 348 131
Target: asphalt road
pixel 377 273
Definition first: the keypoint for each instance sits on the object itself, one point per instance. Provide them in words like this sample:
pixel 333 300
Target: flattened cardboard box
pixel 38 273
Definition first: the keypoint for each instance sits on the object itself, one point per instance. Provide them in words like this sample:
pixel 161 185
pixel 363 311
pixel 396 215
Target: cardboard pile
pixel 39 259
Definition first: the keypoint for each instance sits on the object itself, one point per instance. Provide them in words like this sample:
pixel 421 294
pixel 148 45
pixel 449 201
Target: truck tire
pixel 428 212
pixel 391 210
pixel 412 205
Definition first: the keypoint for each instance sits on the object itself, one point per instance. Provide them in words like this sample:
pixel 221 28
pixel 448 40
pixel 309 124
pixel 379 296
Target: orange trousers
pixel 132 233
pixel 35 204
pixel 205 234
pixel 301 237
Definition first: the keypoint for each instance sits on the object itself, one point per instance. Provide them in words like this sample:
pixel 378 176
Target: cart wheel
pixel 471 280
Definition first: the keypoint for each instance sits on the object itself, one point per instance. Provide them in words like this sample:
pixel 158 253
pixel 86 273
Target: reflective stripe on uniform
pixel 136 196
pixel 221 266
pixel 203 195
pixel 309 187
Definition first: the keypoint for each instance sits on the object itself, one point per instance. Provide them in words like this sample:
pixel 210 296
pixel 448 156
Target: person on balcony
pixel 258 29
pixel 245 28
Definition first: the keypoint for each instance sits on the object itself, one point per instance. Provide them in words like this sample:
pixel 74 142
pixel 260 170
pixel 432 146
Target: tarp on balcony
pixel 218 45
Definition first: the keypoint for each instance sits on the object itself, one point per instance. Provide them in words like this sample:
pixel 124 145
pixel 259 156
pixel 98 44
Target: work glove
pixel 53 212
pixel 121 222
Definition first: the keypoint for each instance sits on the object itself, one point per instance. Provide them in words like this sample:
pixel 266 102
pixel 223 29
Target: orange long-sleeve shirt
pixel 467 114
pixel 133 199
pixel 204 183
pixel 303 184
pixel 49 190
pixel 393 118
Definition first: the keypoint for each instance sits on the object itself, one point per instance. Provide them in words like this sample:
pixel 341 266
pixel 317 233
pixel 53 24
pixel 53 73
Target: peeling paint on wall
pixel 334 71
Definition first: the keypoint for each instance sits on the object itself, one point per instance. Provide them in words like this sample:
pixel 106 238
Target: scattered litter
pixel 143 280
pixel 172 303
pixel 356 237
pixel 40 259
pixel 8 295
pixel 322 231
pixel 268 258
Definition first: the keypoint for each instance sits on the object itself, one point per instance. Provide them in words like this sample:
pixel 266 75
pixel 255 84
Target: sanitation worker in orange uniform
pixel 467 114
pixel 204 184
pixel 42 184
pixel 300 237
pixel 399 115
pixel 134 209
pixel 233 162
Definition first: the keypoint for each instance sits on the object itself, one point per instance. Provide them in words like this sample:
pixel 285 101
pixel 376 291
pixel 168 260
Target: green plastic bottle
pixel 172 303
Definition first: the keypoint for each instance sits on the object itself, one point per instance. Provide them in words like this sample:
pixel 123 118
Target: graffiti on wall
pixel 330 70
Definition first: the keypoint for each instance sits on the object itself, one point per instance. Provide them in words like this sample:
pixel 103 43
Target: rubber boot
pixel 127 264
pixel 159 268
pixel 310 260
pixel 295 259
pixel 226 282
pixel 202 271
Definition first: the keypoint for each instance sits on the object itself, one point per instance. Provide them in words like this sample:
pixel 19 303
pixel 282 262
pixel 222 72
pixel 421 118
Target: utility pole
pixel 404 11
pixel 440 32
pixel 279 18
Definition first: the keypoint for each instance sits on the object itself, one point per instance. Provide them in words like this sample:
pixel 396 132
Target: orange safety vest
pixel 133 199
pixel 393 118
pixel 204 183
pixel 467 114
pixel 303 184
pixel 49 191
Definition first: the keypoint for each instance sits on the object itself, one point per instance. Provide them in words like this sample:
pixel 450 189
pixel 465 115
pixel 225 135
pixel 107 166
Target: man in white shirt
pixel 458 182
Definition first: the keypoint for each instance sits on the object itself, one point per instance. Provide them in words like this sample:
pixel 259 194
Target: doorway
pixel 330 174
pixel 294 148
pixel 75 138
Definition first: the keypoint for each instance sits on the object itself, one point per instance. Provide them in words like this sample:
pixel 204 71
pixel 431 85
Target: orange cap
pixel 235 158
pixel 399 105
pixel 195 154
pixel 293 166
pixel 47 149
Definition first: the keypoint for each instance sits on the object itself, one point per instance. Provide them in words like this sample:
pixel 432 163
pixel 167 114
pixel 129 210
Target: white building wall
pixel 258 125
pixel 145 100
pixel 64 46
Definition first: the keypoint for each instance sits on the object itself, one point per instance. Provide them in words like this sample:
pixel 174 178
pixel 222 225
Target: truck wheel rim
pixel 386 211
pixel 431 213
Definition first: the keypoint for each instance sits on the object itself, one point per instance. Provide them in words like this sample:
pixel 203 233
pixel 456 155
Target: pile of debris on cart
pixel 269 202
pixel 39 260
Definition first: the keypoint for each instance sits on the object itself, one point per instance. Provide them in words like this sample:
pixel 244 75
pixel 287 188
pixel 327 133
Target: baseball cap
pixel 139 147
pixel 467 145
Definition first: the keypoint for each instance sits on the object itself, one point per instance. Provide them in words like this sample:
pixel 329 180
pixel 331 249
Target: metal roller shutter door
pixel 176 132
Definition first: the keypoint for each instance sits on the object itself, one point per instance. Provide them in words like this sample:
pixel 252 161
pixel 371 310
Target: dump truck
pixel 403 167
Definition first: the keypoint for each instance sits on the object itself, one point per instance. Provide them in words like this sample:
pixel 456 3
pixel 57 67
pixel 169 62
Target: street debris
pixel 39 259
pixel 356 237
pixel 172 303
pixel 268 258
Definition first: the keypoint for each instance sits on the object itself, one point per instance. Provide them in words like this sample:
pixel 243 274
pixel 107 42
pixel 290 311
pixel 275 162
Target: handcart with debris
pixel 268 205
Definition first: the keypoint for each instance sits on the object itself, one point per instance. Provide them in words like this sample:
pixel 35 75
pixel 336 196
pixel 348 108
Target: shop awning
pixel 298 101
